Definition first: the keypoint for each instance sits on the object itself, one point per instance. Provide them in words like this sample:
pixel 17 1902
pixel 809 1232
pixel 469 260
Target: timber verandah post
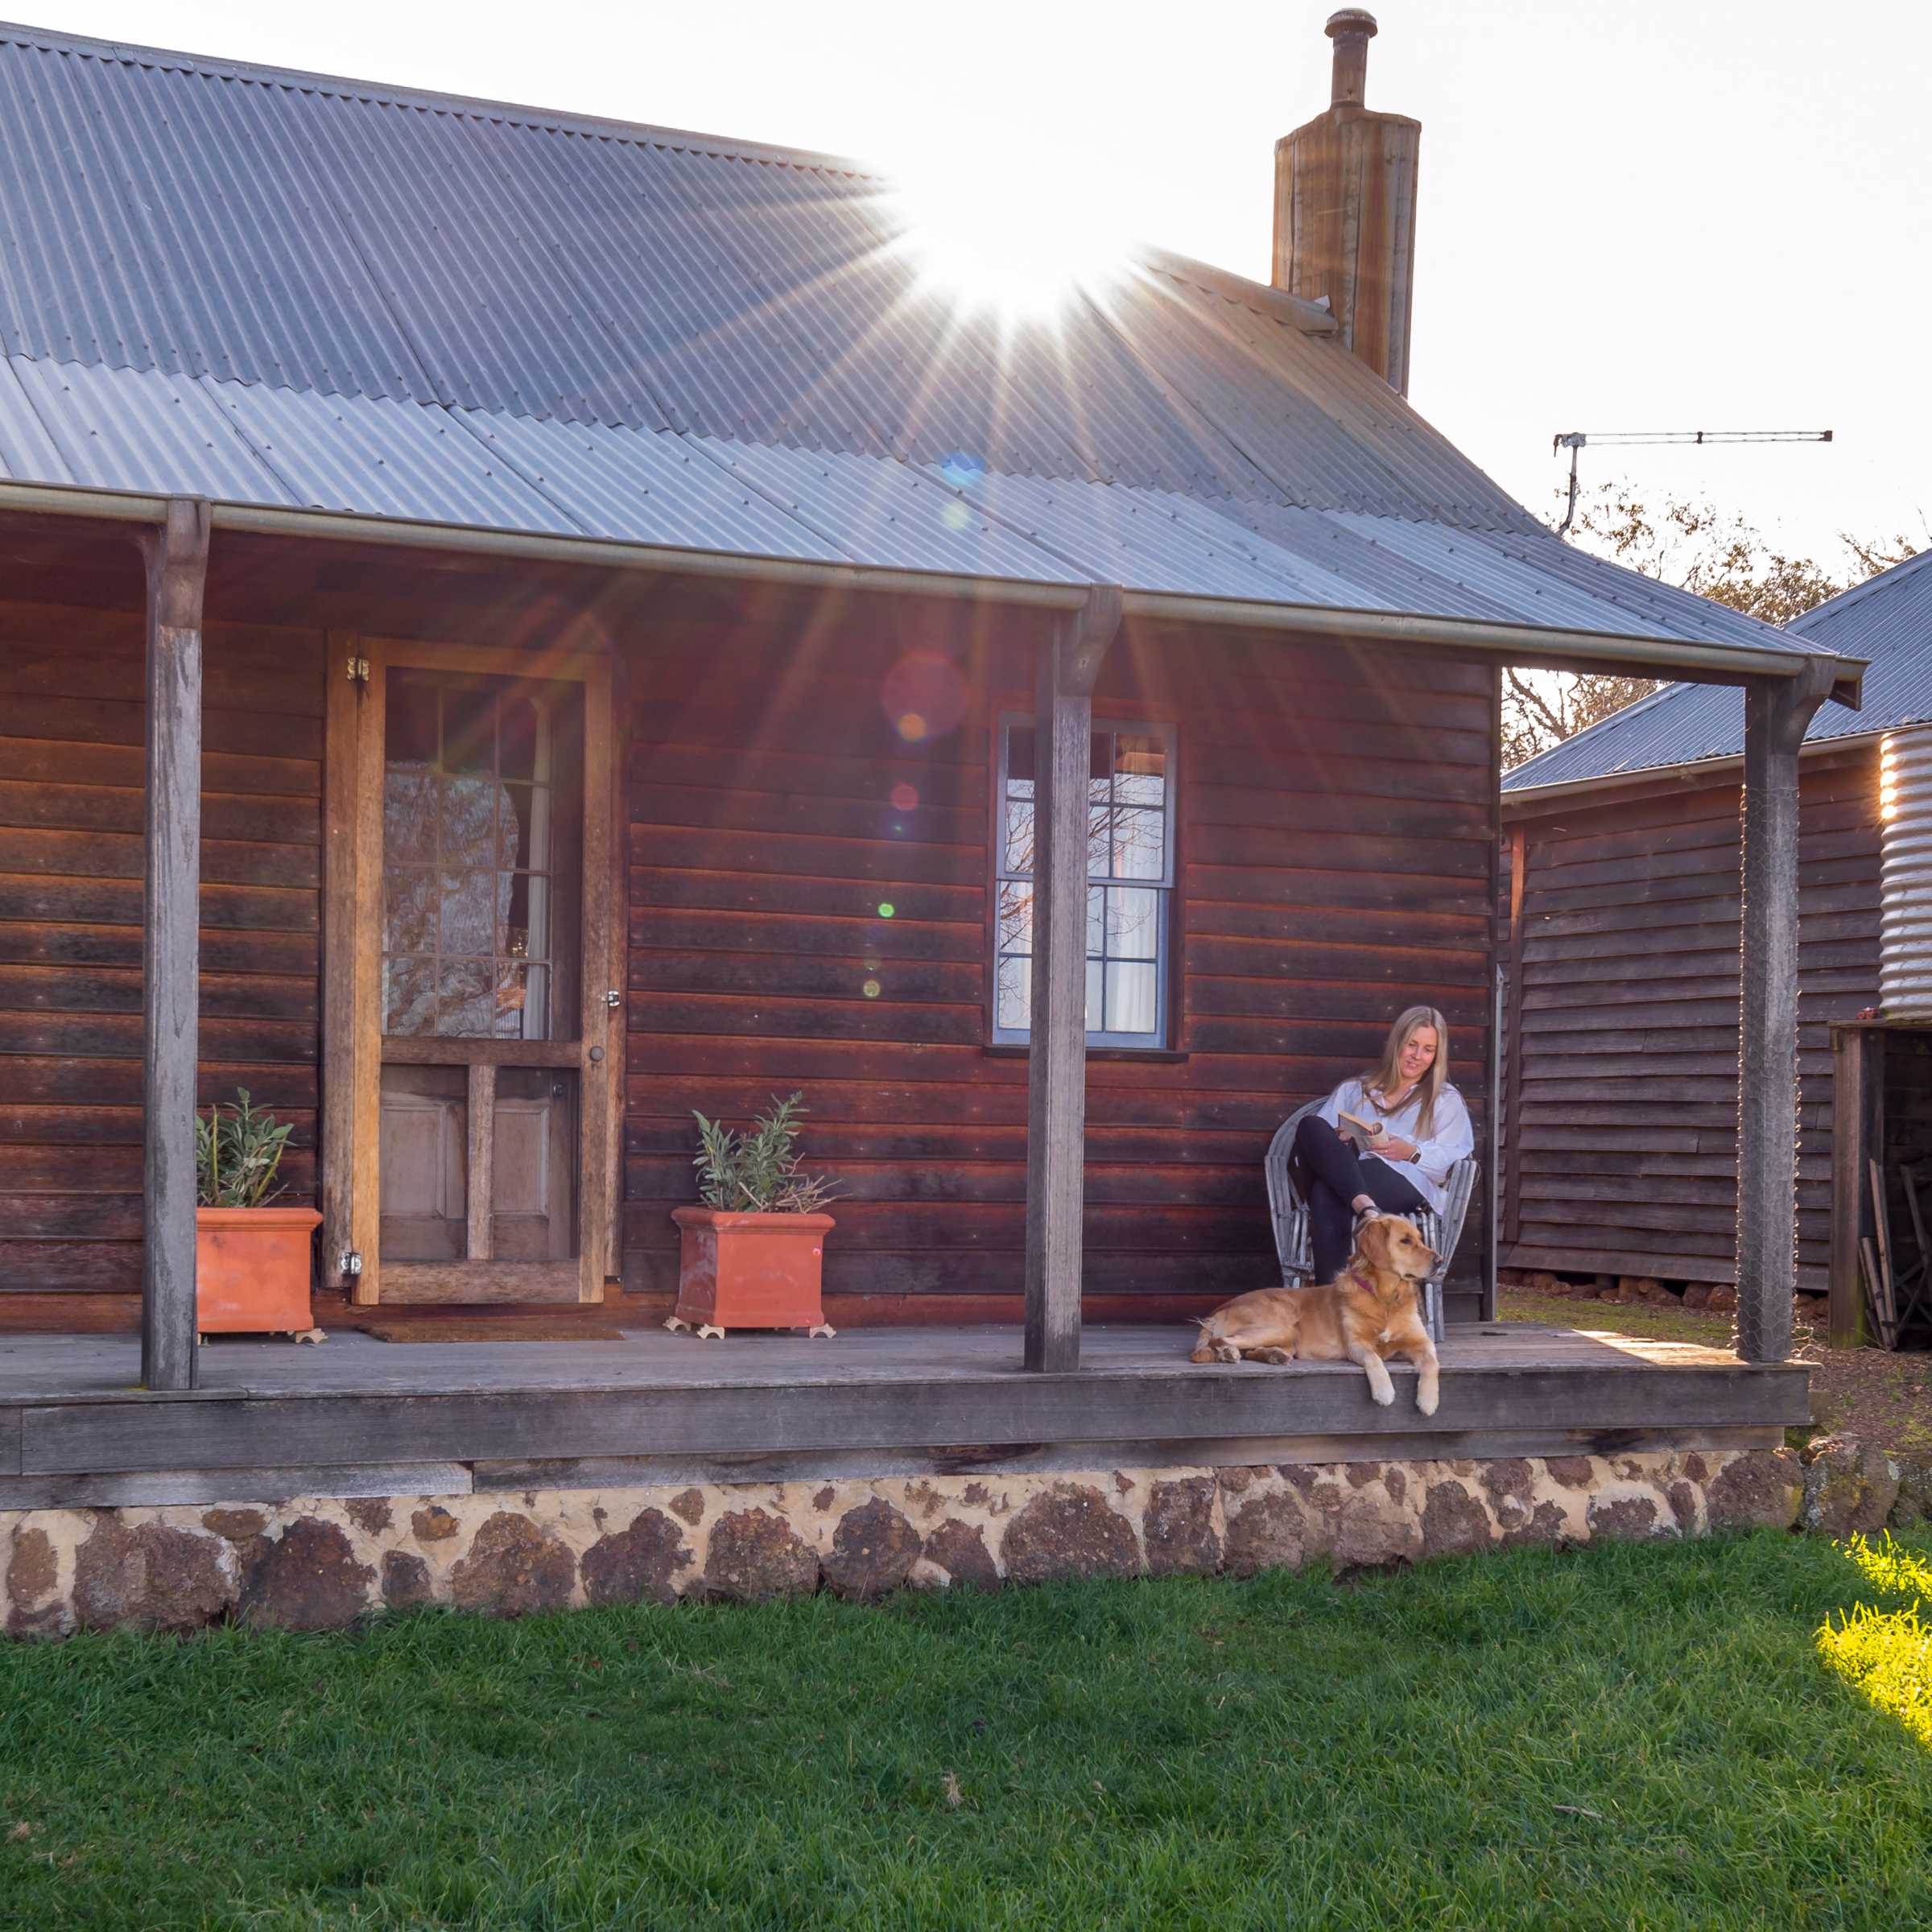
pixel 1056 1078
pixel 1777 711
pixel 177 570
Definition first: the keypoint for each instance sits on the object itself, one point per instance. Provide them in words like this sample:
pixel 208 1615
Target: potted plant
pixel 251 1256
pixel 751 1256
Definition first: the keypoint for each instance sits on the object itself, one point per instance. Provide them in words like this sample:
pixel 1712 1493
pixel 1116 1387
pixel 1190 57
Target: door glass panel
pixel 533 1204
pixel 425 1155
pixel 482 834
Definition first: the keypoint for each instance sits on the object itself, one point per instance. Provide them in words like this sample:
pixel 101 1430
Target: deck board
pixel 70 1412
pixel 106 1367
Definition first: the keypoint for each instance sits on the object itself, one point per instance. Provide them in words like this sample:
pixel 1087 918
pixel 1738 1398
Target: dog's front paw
pixel 1384 1396
pixel 1426 1401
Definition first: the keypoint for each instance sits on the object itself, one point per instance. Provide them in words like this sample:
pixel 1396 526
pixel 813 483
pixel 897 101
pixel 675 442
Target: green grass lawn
pixel 1617 1737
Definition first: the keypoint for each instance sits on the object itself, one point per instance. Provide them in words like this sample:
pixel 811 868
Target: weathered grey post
pixel 177 566
pixel 1056 1096
pixel 1777 712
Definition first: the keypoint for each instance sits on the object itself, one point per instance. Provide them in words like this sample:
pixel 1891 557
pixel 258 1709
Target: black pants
pixel 1331 1174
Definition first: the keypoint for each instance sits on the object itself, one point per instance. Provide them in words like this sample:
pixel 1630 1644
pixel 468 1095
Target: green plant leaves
pixel 236 1155
pixel 757 1172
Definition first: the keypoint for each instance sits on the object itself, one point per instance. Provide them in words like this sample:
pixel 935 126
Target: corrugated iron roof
pixel 1887 620
pixel 286 289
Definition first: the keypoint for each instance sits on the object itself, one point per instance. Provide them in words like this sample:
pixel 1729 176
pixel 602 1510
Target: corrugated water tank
pixel 1904 806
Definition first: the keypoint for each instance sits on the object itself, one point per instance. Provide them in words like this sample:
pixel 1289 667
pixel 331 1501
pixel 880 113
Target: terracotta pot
pixel 750 1271
pixel 252 1270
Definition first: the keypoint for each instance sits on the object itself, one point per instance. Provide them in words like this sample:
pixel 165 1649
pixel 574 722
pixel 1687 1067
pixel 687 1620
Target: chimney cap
pixel 1351 29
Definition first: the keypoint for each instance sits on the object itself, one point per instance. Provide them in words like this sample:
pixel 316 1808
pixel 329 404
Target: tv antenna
pixel 1575 441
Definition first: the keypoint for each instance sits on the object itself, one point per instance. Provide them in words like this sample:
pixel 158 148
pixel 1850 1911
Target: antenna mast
pixel 1574 440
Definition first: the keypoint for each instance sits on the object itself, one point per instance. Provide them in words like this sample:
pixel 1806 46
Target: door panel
pixel 425 1184
pixel 482 868
pixel 536 1130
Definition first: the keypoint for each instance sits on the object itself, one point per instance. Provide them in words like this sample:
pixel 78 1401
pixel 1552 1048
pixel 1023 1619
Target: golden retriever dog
pixel 1370 1311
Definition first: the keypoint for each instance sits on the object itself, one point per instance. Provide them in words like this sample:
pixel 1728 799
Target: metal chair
pixel 1289 1214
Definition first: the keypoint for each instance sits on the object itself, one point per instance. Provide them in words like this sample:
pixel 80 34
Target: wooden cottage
pixel 1620 868
pixel 516 626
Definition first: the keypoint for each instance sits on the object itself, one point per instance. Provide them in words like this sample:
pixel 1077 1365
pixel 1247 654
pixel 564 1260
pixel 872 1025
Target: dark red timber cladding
pixel 1335 831
pixel 71 725
pixel 1626 1156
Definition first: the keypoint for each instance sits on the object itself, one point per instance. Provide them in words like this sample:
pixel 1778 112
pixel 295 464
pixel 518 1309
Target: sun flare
pixel 998 235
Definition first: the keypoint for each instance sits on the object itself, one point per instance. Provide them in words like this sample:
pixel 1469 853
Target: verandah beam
pixel 1777 714
pixel 177 570
pixel 1056 1096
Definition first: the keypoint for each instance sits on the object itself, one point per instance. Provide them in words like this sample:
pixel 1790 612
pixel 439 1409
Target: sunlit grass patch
pixel 1890 1567
pixel 1886 1655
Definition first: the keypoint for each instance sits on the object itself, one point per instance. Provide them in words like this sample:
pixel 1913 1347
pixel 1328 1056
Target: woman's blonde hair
pixel 1386 1077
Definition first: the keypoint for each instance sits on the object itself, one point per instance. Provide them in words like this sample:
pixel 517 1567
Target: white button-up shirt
pixel 1451 1138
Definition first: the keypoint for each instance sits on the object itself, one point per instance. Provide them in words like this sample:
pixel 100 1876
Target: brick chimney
pixel 1344 208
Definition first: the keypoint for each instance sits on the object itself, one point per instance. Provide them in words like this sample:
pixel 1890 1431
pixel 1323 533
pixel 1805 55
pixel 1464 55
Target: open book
pixel 1364 1130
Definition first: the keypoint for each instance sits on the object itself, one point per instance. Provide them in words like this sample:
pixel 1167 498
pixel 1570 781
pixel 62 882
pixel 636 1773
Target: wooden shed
pixel 518 626
pixel 1620 937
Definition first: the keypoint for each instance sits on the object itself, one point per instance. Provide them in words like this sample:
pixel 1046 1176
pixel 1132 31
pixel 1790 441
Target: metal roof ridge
pixel 398 94
pixel 1853 593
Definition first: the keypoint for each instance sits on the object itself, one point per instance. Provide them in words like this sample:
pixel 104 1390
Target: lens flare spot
pixel 885 909
pixel 956 516
pixel 905 798
pixel 924 696
pixel 871 989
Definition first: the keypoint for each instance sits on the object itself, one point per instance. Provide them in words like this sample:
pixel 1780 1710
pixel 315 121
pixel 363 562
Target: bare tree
pixel 1698 548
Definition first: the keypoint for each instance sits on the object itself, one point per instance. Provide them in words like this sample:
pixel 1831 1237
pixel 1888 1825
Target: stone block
pixel 959 1550
pixel 1912 1506
pixel 1268 1532
pixel 306 1579
pixel 1849 1486
pixel 1755 1490
pixel 1454 1521
pixel 152 1576
pixel 873 1550
pixel 513 1567
pixel 638 1565
pixel 1069 1532
pixel 406 1579
pixel 756 1554
pixel 1178 1529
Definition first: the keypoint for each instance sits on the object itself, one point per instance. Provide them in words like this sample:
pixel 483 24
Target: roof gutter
pixel 1517 643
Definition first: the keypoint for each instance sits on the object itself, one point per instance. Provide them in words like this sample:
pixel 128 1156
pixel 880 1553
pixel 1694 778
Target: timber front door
pixel 482 1004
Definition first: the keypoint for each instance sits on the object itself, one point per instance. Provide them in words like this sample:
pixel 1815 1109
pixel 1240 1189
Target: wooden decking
pixel 359 1416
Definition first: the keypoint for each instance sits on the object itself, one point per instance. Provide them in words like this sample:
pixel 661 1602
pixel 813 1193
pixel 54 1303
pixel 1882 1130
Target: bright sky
pixel 1634 215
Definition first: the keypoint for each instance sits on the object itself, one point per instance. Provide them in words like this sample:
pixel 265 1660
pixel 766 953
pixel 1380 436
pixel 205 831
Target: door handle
pixel 613 998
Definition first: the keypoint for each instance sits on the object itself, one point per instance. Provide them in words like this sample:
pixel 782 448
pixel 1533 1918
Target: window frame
pixel 1166 886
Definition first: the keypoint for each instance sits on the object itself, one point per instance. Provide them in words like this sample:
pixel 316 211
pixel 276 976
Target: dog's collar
pixel 1361 1280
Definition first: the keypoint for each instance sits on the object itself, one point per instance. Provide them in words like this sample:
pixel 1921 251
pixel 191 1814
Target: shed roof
pixel 284 290
pixel 1886 620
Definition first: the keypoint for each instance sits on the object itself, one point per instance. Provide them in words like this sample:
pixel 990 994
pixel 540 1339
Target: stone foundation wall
pixel 315 1563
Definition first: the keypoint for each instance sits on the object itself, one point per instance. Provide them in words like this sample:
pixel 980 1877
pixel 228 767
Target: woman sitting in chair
pixel 1413 1128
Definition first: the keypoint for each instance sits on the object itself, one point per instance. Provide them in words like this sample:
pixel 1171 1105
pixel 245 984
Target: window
pixel 1130 879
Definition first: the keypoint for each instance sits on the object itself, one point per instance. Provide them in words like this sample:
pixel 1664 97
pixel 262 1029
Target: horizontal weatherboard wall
pixel 1334 829
pixel 1624 1042
pixel 71 809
